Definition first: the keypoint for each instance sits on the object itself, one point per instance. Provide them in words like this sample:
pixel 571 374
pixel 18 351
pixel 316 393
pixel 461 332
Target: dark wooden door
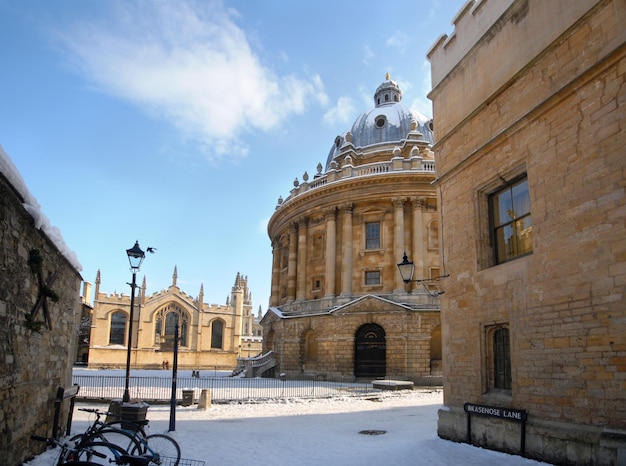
pixel 370 352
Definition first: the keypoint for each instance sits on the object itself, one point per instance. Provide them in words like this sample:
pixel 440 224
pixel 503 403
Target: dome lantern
pixel 388 92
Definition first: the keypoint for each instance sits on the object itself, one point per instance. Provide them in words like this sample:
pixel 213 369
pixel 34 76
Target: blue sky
pixel 180 123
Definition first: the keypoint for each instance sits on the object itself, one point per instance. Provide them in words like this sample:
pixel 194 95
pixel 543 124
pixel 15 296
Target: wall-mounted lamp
pixel 406 268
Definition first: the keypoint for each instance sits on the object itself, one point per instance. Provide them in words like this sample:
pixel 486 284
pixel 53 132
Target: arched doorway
pixel 370 351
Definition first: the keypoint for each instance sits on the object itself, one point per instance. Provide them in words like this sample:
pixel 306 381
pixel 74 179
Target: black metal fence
pixel 222 389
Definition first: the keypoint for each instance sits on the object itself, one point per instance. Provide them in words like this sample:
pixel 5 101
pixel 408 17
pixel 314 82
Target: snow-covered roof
pixel 10 172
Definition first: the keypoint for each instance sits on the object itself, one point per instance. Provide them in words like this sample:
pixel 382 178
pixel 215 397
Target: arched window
pixel 118 328
pixel 158 330
pixel 165 326
pixel 217 334
pixel 501 359
pixel 433 235
pixel 310 347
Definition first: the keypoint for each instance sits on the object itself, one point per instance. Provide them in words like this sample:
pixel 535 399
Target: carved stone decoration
pixel 35 261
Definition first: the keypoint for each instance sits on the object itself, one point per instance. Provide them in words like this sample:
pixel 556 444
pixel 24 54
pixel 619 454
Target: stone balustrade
pixel 349 171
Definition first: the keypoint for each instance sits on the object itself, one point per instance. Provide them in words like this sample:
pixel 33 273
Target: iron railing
pixel 222 389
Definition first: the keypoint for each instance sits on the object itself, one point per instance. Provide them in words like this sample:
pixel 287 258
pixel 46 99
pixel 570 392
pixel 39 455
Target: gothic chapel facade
pixel 338 305
pixel 211 336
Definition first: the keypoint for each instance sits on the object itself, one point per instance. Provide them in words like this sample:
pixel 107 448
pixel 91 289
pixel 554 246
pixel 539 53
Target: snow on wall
pixel 8 169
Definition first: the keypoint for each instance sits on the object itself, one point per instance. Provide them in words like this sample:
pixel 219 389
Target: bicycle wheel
pixel 98 452
pixel 119 437
pixel 163 448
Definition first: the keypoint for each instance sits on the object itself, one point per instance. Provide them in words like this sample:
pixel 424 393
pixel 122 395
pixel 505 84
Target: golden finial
pixel 387 77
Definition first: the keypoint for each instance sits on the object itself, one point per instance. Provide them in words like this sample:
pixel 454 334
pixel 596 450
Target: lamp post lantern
pixel 406 268
pixel 135 257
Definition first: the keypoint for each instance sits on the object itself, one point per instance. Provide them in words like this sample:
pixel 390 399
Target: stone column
pixel 331 252
pixel 398 240
pixel 346 251
pixel 292 264
pixel 276 253
pixel 419 243
pixel 301 268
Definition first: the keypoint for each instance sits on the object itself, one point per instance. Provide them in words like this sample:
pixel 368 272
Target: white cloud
pixel 188 63
pixel 262 225
pixel 342 112
pixel 368 55
pixel 422 104
pixel 398 40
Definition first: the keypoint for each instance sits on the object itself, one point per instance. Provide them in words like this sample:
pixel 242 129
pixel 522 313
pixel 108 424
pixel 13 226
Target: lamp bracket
pixel 422 280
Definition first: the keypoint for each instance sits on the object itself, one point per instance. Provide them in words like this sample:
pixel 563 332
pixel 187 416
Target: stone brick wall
pixel 408 337
pixel 33 364
pixel 559 118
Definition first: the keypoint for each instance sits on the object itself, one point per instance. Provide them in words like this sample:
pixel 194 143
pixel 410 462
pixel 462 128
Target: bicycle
pixel 100 431
pixel 163 449
pixel 83 454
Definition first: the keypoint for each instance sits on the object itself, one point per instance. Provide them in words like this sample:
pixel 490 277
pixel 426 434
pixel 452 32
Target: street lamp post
pixel 135 257
pixel 174 381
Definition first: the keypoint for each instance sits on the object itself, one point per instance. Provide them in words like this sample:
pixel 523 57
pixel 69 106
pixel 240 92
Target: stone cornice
pixel 363 188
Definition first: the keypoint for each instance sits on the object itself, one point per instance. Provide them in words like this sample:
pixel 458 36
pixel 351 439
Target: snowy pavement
pixel 315 432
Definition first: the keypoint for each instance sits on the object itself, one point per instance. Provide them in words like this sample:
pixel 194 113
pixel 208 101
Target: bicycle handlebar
pixel 49 440
pixel 96 411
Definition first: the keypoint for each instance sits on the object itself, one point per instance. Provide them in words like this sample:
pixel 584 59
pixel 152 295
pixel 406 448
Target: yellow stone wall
pixel 545 88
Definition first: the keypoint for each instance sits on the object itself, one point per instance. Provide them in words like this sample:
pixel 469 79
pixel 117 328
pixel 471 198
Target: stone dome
pixel 388 122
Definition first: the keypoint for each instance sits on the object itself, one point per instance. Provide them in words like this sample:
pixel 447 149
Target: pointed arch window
pixel 165 326
pixel 217 334
pixel 117 329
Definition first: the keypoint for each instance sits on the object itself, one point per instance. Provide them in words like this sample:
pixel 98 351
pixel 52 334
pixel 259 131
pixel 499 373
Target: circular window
pixel 380 121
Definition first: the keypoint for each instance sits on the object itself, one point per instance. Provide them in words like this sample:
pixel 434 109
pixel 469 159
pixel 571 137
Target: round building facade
pixel 339 306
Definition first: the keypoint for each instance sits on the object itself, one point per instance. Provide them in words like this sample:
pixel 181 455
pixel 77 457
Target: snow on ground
pixel 314 432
